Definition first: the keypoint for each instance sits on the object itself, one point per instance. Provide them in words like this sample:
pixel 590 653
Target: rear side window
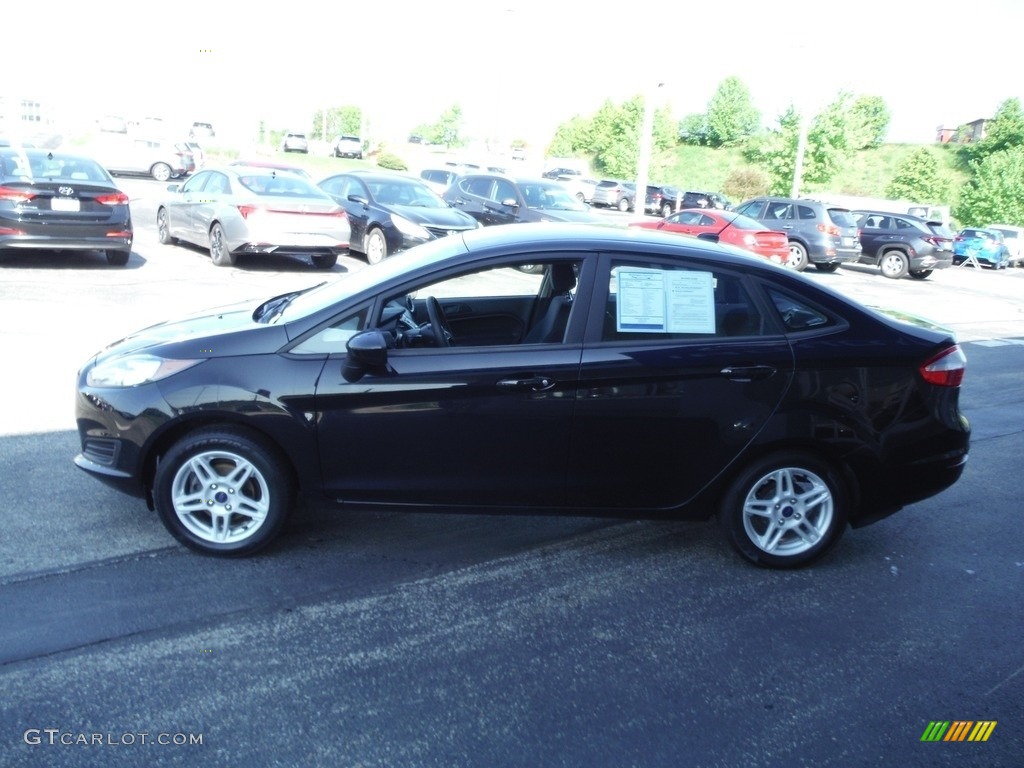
pixel 806 212
pixel 657 302
pixel 779 210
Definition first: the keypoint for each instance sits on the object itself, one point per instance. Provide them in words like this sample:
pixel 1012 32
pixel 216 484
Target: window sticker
pixel 656 301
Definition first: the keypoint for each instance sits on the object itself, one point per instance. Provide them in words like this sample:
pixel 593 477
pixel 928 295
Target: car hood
pixel 219 332
pixel 447 218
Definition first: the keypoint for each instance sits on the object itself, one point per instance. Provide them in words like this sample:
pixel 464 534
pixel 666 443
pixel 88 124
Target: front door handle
pixel 534 384
pixel 748 372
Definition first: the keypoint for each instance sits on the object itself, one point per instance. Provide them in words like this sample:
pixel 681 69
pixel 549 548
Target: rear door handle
pixel 534 384
pixel 748 372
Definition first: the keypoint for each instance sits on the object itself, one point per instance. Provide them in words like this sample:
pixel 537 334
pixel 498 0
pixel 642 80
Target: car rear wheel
pixel 784 510
pixel 117 258
pixel 376 246
pixel 894 264
pixel 324 261
pixel 160 171
pixel 666 211
pixel 623 205
pixel 797 256
pixel 222 492
pixel 163 228
pixel 219 252
pixel 826 267
pixel 920 274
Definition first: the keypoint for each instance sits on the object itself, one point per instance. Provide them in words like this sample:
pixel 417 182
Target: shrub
pixel 745 183
pixel 391 162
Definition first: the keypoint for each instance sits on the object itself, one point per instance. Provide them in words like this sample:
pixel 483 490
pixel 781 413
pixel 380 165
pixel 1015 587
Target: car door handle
pixel 534 384
pixel 748 372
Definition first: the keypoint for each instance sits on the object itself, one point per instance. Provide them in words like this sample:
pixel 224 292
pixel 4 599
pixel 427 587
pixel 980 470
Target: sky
pixel 516 68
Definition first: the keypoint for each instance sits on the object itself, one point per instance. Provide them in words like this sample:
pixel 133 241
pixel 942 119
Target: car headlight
pixel 408 228
pixel 132 370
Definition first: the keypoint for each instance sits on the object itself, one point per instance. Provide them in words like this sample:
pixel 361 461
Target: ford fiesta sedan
pixel 636 375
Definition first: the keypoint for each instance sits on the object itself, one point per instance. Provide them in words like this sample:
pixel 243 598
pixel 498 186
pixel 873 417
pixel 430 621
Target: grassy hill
pixel 866 174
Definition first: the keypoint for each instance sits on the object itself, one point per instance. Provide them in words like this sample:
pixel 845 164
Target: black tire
pixel 666 211
pixel 117 258
pixel 785 510
pixel 220 254
pixel 826 267
pixel 623 205
pixel 894 264
pixel 797 256
pixel 324 261
pixel 163 228
pixel 375 247
pixel 160 171
pixel 210 511
pixel 920 274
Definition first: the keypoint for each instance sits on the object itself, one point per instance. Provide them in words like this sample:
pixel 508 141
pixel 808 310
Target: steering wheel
pixel 439 323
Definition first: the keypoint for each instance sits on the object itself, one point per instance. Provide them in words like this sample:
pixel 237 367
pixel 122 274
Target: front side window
pixel 668 302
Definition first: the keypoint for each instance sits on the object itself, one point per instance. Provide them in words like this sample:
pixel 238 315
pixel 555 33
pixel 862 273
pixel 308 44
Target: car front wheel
pixel 784 510
pixel 376 246
pixel 222 492
pixel 163 227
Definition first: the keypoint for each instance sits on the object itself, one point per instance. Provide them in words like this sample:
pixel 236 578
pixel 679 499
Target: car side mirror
pixel 367 351
pixel 711 237
pixel 511 202
pixel 174 188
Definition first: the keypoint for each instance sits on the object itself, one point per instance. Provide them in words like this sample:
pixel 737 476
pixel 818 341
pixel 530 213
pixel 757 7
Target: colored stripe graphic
pixel 958 730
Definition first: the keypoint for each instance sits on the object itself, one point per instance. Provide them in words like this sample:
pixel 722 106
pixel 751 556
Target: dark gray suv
pixel 820 234
pixel 900 244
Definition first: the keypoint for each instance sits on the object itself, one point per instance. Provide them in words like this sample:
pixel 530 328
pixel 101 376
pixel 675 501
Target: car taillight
pixel 115 198
pixel 249 210
pixel 946 369
pixel 830 229
pixel 15 195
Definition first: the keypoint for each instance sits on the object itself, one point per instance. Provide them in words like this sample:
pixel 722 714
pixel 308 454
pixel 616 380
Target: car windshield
pixel 277 184
pixel 739 221
pixel 367 278
pixel 550 197
pixel 397 192
pixel 47 165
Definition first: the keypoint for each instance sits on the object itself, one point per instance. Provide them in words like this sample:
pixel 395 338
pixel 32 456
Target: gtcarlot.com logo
pixel 958 730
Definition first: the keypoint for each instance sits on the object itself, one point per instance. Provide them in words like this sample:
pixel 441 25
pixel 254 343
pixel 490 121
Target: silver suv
pixel 295 142
pixel 820 234
pixel 348 146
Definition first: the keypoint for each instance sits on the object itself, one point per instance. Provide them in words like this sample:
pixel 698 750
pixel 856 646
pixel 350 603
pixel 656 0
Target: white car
pixel 1014 239
pixel 582 189
pixel 348 146
pixel 295 142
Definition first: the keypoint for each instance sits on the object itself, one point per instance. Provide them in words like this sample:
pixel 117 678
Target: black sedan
pixel 637 375
pixel 495 199
pixel 390 213
pixel 58 201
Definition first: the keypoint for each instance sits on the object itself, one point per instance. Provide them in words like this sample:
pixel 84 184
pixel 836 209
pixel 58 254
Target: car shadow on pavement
pixel 34 258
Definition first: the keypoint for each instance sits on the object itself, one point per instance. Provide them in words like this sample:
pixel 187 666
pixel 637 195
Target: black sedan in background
pixel 58 201
pixel 390 213
pixel 637 375
pixel 495 199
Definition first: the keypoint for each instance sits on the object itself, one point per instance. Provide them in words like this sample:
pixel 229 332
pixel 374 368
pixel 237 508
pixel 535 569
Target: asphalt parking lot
pixel 391 639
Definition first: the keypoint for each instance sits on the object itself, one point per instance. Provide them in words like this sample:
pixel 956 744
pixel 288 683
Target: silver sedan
pixel 254 210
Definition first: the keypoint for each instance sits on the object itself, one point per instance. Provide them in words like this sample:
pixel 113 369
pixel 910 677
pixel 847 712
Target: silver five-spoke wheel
pixel 785 510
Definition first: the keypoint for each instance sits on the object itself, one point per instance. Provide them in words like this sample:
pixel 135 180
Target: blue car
pixel 986 245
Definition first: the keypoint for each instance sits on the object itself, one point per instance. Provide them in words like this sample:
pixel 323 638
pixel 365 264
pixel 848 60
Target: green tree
pixel 1004 131
pixel 731 116
pixel 446 130
pixel 868 122
pixel 919 179
pixel 993 192
pixel 571 138
pixel 827 147
pixel 330 122
pixel 693 129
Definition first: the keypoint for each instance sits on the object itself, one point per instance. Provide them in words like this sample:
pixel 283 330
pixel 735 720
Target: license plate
pixel 65 204
pixel 848 242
